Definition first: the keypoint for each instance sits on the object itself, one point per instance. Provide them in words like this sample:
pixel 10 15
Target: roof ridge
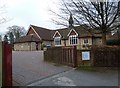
pixel 39 27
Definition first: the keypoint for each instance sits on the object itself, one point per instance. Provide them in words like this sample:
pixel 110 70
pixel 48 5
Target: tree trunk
pixel 104 38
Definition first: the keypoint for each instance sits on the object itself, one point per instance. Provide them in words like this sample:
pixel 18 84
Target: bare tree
pixel 102 16
pixel 3 19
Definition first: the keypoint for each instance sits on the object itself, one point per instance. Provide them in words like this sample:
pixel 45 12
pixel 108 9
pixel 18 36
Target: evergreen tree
pixel 11 36
pixel 0 38
pixel 6 38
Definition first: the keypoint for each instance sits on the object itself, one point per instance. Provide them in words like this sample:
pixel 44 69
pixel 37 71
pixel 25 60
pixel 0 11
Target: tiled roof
pixel 47 34
pixel 28 38
pixel 44 33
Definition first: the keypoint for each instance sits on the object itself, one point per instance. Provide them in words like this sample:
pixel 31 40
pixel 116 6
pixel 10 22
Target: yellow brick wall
pixel 26 46
pixel 80 43
pixel 22 46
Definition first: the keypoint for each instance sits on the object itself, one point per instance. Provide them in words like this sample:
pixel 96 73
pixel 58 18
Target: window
pixel 73 39
pixel 85 41
pixel 22 46
pixel 57 41
pixel 47 43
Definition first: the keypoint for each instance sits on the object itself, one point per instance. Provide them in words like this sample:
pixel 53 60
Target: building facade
pixel 37 38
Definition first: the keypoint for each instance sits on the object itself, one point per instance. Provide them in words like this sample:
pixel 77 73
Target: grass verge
pixel 86 68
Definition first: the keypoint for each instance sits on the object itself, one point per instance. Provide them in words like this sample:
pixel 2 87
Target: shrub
pixel 113 42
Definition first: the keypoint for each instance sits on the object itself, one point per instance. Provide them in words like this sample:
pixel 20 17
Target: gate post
pixel 0 64
pixel 75 56
pixel 6 64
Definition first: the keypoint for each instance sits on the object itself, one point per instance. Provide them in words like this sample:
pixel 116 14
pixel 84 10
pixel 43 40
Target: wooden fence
pixel 62 55
pixel 100 56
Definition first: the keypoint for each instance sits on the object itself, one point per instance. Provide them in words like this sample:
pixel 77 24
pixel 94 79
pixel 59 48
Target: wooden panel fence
pixel 62 55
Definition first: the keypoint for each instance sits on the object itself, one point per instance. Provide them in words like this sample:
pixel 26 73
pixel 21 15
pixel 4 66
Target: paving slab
pixel 29 67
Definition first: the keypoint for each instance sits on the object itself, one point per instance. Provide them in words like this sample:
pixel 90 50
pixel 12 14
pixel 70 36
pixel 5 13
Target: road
pixel 81 78
pixel 29 67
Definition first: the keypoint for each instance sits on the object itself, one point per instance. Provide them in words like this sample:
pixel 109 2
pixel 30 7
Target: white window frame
pixel 71 31
pixel 60 41
pixel 56 33
pixel 75 42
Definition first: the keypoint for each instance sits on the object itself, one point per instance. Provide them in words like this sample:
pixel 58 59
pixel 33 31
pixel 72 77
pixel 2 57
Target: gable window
pixel 73 39
pixel 85 41
pixel 57 41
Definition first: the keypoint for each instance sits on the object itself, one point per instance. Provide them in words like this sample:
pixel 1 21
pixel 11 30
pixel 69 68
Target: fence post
pixel 75 56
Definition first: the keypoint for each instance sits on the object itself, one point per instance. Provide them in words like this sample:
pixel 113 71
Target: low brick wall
pixel 84 62
pixel 101 56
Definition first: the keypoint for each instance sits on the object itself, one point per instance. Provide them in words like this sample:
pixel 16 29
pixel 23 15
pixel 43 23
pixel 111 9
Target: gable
pixel 57 34
pixel 30 31
pixel 72 32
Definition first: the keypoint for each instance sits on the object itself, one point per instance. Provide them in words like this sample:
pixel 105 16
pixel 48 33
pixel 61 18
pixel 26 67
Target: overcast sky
pixel 26 12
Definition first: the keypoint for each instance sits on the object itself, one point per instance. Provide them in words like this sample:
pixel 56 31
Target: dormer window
pixel 57 41
pixel 73 37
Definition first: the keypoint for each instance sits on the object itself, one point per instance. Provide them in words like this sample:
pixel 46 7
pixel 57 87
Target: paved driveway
pixel 29 67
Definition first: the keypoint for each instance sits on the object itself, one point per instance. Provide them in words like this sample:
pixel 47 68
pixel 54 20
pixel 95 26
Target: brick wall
pixel 84 62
